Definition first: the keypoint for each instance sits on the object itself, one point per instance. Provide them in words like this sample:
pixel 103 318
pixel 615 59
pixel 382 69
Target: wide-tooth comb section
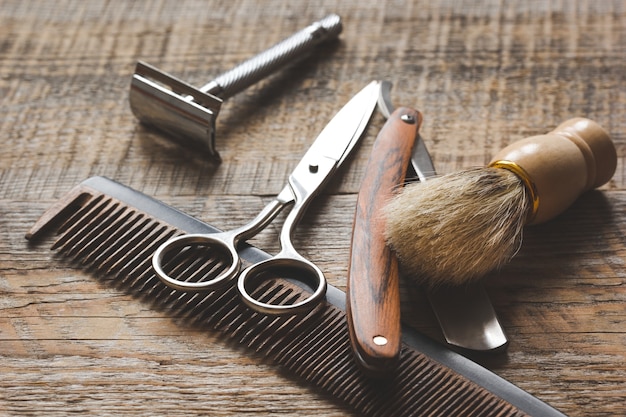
pixel 117 240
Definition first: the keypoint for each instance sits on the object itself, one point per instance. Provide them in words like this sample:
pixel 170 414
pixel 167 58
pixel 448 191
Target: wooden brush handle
pixel 558 167
pixel 373 294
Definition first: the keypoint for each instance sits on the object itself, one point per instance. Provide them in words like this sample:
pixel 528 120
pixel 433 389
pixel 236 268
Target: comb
pixel 113 230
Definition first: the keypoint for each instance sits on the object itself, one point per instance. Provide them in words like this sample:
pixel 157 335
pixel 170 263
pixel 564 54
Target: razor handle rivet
pixel 407 118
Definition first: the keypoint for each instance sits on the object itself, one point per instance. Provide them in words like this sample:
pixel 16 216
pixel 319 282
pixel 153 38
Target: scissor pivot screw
pixel 407 118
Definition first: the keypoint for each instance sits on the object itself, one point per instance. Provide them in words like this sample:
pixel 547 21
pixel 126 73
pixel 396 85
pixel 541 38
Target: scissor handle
pixel 220 244
pixel 288 263
pixel 291 266
pixel 223 245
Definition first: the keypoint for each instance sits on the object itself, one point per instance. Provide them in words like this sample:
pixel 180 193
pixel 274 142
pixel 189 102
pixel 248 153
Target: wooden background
pixel 484 73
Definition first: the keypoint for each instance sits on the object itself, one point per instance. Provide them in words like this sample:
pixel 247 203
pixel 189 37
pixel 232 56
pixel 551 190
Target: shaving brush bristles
pixel 458 227
pixel 455 228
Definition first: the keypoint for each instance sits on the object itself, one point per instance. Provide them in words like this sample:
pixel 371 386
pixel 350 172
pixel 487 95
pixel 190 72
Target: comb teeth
pixel 111 238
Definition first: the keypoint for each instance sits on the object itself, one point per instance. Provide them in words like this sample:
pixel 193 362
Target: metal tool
pixel 373 290
pixel 188 113
pixel 322 159
pixel 112 230
pixel 465 314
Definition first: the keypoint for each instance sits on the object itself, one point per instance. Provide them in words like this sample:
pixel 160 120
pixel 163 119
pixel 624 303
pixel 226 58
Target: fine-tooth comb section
pixel 114 238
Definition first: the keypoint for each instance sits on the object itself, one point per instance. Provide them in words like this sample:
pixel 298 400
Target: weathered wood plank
pixel 484 73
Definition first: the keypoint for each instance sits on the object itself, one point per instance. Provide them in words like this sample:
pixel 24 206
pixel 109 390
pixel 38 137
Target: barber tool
pixel 455 228
pixel 373 290
pixel 465 315
pixel 114 230
pixel 188 114
pixel 320 162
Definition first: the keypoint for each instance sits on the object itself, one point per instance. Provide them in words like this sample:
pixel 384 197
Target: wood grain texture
pixel 373 286
pixel 484 73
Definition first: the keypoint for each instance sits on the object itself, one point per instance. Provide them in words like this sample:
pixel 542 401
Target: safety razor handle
pixel 373 293
pixel 287 51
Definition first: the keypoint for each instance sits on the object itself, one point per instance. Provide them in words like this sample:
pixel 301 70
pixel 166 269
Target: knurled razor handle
pixel 258 67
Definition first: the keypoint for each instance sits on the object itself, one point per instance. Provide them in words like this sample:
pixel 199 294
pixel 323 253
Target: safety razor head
pixel 175 107
pixel 188 113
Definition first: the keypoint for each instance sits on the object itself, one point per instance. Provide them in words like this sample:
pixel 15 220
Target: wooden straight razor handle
pixel 373 293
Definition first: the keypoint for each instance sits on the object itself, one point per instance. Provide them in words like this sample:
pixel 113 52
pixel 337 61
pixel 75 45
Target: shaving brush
pixel 452 229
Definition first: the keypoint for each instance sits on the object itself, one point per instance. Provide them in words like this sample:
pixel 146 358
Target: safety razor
pixel 187 114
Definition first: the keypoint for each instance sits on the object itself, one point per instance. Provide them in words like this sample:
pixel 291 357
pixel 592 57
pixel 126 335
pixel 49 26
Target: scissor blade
pixel 342 133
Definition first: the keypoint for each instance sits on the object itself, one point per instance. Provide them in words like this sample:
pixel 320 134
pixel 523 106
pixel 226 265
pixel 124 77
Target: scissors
pixel 326 154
